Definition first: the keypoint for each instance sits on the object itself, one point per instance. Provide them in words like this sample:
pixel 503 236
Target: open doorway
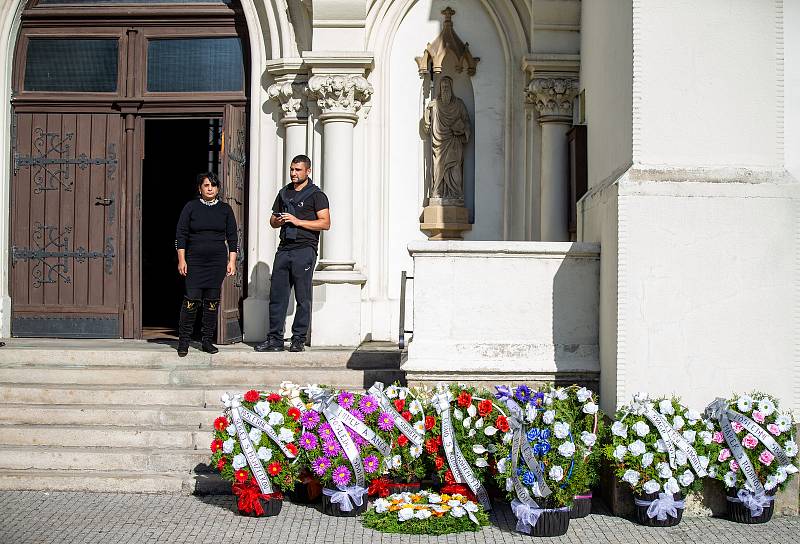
pixel 175 151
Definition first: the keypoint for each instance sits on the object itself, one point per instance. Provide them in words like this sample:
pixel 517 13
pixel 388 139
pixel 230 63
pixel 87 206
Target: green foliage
pixel 432 526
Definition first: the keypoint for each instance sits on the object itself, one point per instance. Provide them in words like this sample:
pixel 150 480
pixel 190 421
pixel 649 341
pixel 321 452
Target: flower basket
pixel 552 523
pixel 307 490
pixel 740 512
pixel 338 509
pixel 581 506
pixel 251 502
pixel 643 504
pixel 425 512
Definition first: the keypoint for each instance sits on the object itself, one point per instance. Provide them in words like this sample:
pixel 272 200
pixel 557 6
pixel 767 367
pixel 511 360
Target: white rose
pixel 647 459
pixel 381 505
pixel 556 473
pixel 663 470
pixel 548 417
pixel 262 408
pixel 227 446
pixel 405 514
pixel 671 486
pixel 744 403
pixel 561 394
pixel 275 418
pixel 619 429
pixel 285 435
pixel 415 451
pixel 665 407
pixel 790 447
pixel 686 478
pixel 264 454
pixel 631 476
pixel 588 438
pixel 766 406
pixel 422 514
pixel 678 423
pixel 567 449
pixel 641 428
pixel 661 446
pixel 590 408
pixel 255 435
pixel 651 486
pixel 583 394
pixel 637 448
pixel 458 414
pixel 681 458
pixel 690 435
pixel 239 461
pixel 619 452
pixel 730 479
pixel 501 465
pixel 561 430
pixel 471 410
pixel 705 436
pixel 415 407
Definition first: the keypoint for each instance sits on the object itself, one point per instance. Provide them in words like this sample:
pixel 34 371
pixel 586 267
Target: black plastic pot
pixel 741 514
pixel 640 512
pixel 581 506
pixel 332 509
pixel 307 491
pixel 272 507
pixel 553 523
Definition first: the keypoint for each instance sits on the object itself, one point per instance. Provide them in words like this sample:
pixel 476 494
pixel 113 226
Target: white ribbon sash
pixel 346 497
pixel 665 505
pixel 459 466
pixel 258 422
pixel 671 438
pixel 249 451
pixel 399 421
pixel 520 444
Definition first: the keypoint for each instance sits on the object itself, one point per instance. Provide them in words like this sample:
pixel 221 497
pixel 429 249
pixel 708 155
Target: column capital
pixel 552 95
pixel 291 95
pixel 341 95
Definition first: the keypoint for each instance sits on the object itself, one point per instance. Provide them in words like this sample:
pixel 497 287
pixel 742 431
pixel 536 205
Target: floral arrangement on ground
pixel 425 513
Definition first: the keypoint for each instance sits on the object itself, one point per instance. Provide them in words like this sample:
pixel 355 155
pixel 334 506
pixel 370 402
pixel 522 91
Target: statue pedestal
pixel 445 222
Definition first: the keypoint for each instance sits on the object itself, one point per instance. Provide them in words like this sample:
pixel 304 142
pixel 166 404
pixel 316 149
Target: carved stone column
pixel 291 95
pixel 552 95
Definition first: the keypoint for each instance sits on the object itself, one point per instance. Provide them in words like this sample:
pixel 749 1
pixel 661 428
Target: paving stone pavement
pixel 42 517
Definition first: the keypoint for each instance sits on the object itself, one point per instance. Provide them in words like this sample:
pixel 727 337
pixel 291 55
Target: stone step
pixel 258 376
pixel 121 481
pixel 106 436
pixel 110 415
pixel 142 395
pixel 177 461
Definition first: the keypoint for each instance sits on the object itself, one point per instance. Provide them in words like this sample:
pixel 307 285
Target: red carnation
pixel 464 399
pixel 438 440
pixel 406 415
pixel 274 468
pixel 402 440
pixel 294 413
pixel 241 475
pixel 292 448
pixel 251 396
pixel 216 445
pixel 221 464
pixel 448 477
pixel 485 407
pixel 431 445
pixel 502 424
pixel 430 421
pixel 221 423
pixel 400 404
pixel 439 462
pixel 273 397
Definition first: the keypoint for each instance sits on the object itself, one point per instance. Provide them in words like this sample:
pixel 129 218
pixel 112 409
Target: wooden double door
pixel 76 220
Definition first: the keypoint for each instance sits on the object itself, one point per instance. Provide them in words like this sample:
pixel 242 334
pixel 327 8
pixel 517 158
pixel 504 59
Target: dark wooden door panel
pixel 64 256
pixel 234 138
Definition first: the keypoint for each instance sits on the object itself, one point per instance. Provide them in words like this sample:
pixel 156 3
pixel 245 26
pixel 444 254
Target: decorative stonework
pixel 552 96
pixel 344 94
pixel 292 98
pixel 447 42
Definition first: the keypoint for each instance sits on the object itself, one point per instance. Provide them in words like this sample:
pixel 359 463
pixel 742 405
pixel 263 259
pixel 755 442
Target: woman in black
pixel 204 227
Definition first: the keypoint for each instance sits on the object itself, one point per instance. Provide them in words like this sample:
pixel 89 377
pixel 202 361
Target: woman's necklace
pixel 209 202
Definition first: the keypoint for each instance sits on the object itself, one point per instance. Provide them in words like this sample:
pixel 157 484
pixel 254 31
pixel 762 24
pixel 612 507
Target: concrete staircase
pixel 130 416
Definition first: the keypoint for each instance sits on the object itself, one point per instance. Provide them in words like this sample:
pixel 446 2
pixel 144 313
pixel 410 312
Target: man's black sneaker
pixel 269 345
pixel 297 345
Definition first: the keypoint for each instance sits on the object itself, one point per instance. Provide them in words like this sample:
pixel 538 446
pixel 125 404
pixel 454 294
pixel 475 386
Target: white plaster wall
pixel 534 309
pixel 606 78
pixel 708 283
pixel 791 67
pixel 706 83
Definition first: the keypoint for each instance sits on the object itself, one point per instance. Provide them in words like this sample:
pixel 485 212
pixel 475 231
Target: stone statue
pixel 447 121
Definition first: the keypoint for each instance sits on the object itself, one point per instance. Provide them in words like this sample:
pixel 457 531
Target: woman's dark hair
pixel 211 176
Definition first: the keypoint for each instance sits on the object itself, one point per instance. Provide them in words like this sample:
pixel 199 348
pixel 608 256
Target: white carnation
pixel 641 428
pixel 665 407
pixel 530 413
pixel 239 461
pixel 422 514
pixel 619 429
pixel 661 446
pixel 588 438
pixel 556 473
pixel 671 486
pixel 631 476
pixel 405 514
pixel 681 458
pixel 678 423
pixel 561 394
pixel 255 435
pixel 264 454
pixel 561 430
pixel 285 435
pixel 590 408
pixel 744 403
pixel 458 511
pixel 548 417
pixel 703 461
pixel 231 430
pixel 262 408
pixel 637 448
pixel 651 486
pixel 583 394
pixel 275 418
pixel 501 465
pixel 619 452
pixel 567 449
pixel 705 436
pixel 381 505
pixel 689 435
pixel 663 470
pixel 692 416
pixel 686 478
pixel 227 446
pixel 647 459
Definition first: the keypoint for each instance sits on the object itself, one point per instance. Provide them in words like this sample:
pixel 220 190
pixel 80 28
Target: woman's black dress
pixel 202 231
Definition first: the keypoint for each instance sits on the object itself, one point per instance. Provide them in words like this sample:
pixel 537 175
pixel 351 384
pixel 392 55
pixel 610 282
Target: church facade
pixel 658 143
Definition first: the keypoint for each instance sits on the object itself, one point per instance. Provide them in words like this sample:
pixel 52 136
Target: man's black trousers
pixel 292 268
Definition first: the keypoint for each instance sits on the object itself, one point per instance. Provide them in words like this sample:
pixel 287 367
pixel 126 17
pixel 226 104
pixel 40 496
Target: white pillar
pixel 552 94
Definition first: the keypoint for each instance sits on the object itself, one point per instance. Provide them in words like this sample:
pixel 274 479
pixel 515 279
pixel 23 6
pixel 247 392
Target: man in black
pixel 301 212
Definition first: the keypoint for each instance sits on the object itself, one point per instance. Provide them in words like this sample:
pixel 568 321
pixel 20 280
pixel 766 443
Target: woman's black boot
pixel 209 330
pixel 186 324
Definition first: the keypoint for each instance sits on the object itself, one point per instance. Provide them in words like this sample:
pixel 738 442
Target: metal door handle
pixel 100 201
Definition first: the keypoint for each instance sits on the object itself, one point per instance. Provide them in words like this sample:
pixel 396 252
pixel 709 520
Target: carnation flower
pixel 689 435
pixel 275 418
pixel 681 458
pixel 309 419
pixel 320 465
pixel 749 441
pixel 737 427
pixel 567 449
pixel 734 466
pixel 264 454
pixel 251 396
pixel 341 476
pixel 227 446
pixel 663 470
pixel 262 408
pixel 661 446
pixel 705 436
pixel 671 486
pixel 619 452
pixel 561 430
pixel 556 473
pixel 724 455
pixel 703 461
pixel 678 422
pixel 666 408
pixel 548 417
pixel 619 429
pixel 231 430
pixel 385 421
pixel 631 476
pixel 485 407
pixel 744 403
pixel 692 415
pixel 766 457
pixel 758 416
pixel 647 459
pixel 285 434
pixel 528 478
pixel 590 408
pixel 430 422
pixel 561 394
pixel 502 424
pixel 588 438
pixel 254 435
pixel 686 478
pixel 465 399
pixel 718 437
pixel 637 448
pixel 583 394
pixel 368 404
pixel 641 428
pixel 345 399
pixel 651 486
pixel 239 461
pixel 766 406
pixel 774 429
pixel 371 464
